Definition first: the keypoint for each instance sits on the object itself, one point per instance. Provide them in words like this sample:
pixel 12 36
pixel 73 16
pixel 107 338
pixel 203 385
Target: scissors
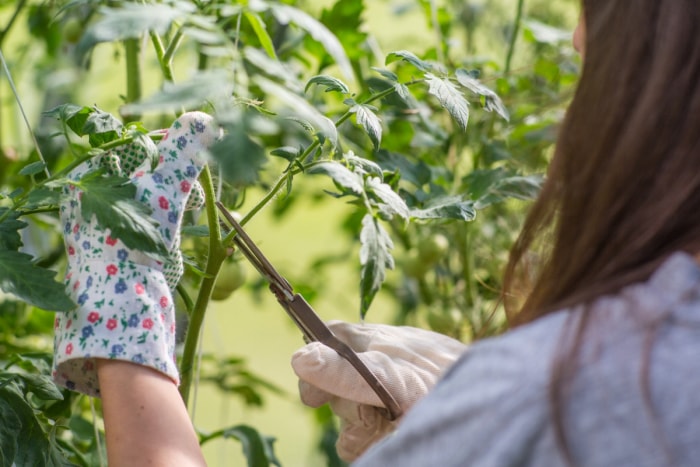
pixel 306 319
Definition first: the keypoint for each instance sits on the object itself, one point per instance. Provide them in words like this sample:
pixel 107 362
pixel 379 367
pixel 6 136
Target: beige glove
pixel 408 361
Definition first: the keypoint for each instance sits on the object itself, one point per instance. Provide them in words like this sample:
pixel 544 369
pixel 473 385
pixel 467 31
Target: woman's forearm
pixel 146 422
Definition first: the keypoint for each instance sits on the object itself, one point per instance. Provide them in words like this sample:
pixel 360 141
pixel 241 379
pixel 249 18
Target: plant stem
pixel 514 36
pixel 216 256
pixel 133 75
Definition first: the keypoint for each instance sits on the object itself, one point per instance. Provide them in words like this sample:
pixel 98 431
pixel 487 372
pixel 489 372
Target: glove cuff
pixel 125 312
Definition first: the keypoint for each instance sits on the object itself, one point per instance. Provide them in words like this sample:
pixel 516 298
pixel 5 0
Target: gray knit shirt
pixel 635 400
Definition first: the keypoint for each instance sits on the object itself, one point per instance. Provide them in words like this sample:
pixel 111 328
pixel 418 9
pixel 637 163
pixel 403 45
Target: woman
pixel 600 369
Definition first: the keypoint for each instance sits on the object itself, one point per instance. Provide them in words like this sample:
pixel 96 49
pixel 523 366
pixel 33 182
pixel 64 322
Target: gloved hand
pixel 125 306
pixel 408 361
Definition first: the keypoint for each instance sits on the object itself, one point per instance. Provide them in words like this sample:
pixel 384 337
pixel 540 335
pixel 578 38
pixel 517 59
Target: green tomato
pixel 414 266
pixel 72 30
pixel 444 321
pixel 433 248
pixel 231 277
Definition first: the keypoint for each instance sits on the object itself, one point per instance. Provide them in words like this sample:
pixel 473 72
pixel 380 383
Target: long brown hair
pixel 623 189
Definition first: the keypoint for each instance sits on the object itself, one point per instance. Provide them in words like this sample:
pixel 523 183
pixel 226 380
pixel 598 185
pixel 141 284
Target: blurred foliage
pixel 437 150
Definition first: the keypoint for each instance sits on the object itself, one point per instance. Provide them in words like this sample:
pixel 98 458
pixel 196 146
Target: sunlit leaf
pixel 130 20
pixel 329 82
pixel 286 14
pixel 371 123
pixel 260 30
pixel 375 258
pixel 493 103
pixel 211 85
pixel 545 33
pixel 383 192
pixel 101 127
pixel 301 108
pixel 391 76
pixel 448 207
pixel 450 98
pixel 409 57
pixel 365 166
pixel 20 276
pixel 341 175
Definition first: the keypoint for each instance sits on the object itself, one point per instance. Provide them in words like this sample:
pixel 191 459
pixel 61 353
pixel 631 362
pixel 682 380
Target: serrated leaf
pixel 41 197
pixel 33 168
pixel 302 108
pixel 368 120
pixel 19 276
pixel 286 152
pixel 450 98
pixel 448 207
pixel 375 258
pixel 9 428
pixel 340 175
pixel 239 157
pixel 41 385
pixel 365 166
pixel 391 76
pixel 101 127
pixel 74 116
pixel 287 14
pixel 130 20
pixel 210 85
pixel 111 200
pixel 409 57
pixel 518 187
pixel 329 82
pixel 493 103
pixel 260 30
pixel 10 238
pixel 258 450
pixel 383 192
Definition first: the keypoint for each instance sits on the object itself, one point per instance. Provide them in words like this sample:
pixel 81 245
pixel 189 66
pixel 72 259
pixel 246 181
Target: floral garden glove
pixel 125 306
pixel 408 361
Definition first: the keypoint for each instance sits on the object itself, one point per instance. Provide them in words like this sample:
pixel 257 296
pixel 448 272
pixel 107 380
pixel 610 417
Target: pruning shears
pixel 306 319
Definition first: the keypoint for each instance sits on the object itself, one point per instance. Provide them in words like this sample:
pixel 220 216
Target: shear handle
pixel 314 327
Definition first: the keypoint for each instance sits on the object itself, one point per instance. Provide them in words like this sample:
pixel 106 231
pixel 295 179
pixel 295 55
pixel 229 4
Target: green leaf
pixel 287 14
pixel 375 258
pixel 368 120
pixel 10 238
pixel 492 103
pixel 111 200
pixel 341 175
pixel 409 57
pixel 257 449
pixel 447 207
pixel 364 166
pixel 302 108
pixel 450 98
pixel 41 197
pixel 518 187
pixel 41 385
pixel 329 82
pixel 239 157
pixel 32 442
pixel 544 33
pixel 101 127
pixel 288 153
pixel 394 204
pixel 211 85
pixel 130 20
pixel 195 230
pixel 9 428
pixel 19 276
pixel 74 116
pixel 33 168
pixel 260 30
pixel 391 76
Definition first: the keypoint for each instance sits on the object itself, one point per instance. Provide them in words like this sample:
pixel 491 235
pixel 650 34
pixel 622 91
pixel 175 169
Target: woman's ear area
pixel 579 37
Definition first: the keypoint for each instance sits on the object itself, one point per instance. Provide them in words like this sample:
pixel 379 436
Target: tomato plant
pixel 435 150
